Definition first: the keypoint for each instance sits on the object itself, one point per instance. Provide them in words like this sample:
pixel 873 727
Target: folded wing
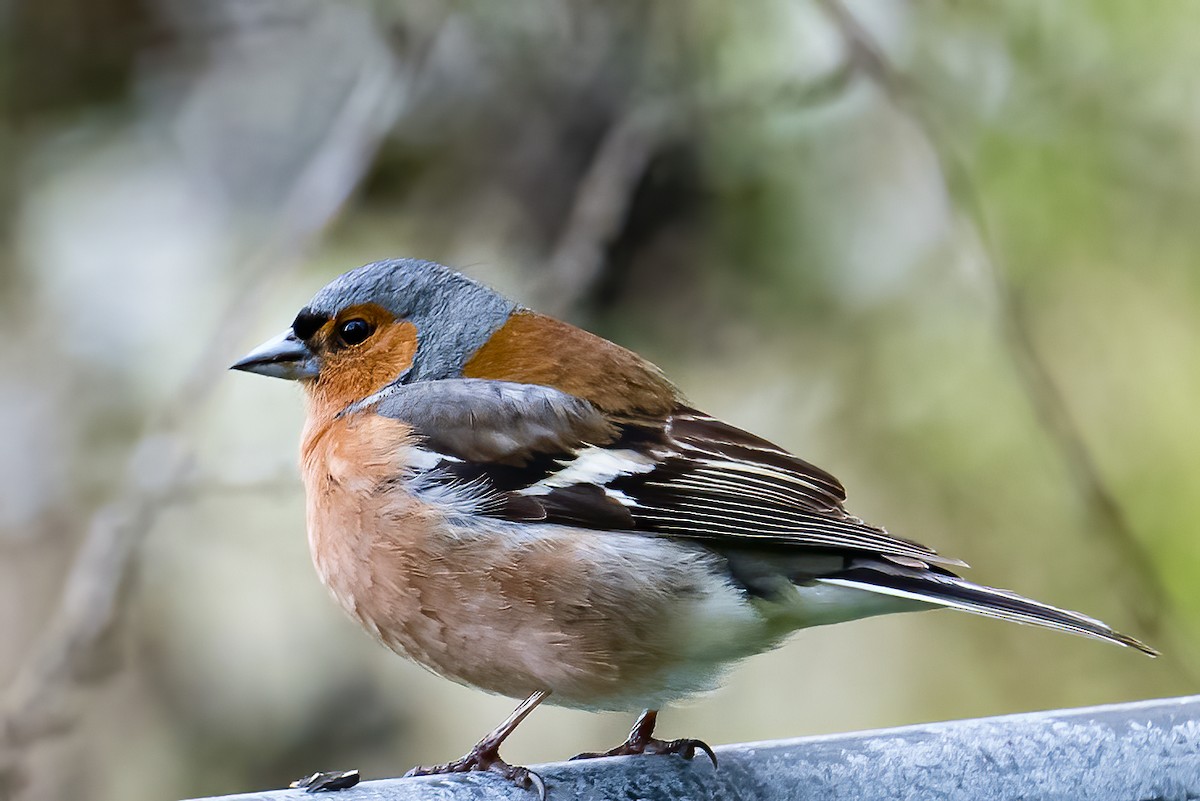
pixel 543 454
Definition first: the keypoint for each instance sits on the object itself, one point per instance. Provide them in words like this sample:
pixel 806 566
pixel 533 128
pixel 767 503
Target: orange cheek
pixel 391 353
pixel 352 374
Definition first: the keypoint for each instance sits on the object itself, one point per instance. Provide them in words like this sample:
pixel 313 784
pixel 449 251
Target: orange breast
pixel 599 620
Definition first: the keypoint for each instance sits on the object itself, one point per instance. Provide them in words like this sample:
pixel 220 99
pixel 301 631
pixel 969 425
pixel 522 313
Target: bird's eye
pixel 354 332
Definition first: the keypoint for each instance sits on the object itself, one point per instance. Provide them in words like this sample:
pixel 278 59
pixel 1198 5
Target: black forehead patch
pixel 308 322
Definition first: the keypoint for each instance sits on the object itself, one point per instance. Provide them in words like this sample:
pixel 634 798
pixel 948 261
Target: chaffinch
pixel 523 507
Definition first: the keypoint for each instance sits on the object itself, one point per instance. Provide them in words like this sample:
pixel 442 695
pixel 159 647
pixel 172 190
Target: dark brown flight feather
pixel 688 477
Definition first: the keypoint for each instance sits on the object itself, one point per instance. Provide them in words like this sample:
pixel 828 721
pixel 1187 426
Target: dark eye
pixel 354 332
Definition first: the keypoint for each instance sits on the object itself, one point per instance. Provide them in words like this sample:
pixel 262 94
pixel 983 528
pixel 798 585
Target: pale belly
pixel 603 621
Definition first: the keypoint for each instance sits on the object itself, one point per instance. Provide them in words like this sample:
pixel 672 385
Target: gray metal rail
pixel 1145 751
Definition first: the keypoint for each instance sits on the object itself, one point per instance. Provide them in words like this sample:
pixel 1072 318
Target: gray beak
pixel 285 356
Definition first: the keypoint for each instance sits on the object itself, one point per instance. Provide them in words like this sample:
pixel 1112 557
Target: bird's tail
pixel 950 591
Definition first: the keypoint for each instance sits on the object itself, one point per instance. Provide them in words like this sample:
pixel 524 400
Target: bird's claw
pixel 479 761
pixel 327 781
pixel 685 748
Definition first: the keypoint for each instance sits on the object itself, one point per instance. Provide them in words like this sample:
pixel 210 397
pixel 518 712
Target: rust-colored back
pixel 532 348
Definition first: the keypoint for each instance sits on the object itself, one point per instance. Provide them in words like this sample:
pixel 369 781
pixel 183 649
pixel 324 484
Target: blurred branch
pixel 606 191
pixel 73 647
pixel 1050 408
pixel 601 206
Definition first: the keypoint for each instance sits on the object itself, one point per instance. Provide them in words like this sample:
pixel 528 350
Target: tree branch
pixel 1035 376
pixel 72 648
pixel 602 200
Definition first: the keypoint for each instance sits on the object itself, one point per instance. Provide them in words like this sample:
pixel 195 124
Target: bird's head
pixel 401 320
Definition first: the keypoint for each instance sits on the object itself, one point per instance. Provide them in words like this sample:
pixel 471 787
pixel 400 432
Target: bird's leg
pixel 485 756
pixel 642 741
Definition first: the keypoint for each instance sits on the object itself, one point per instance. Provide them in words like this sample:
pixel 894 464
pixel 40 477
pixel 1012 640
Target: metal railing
pixel 1149 750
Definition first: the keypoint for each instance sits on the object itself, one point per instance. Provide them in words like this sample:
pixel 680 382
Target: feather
pixel 944 589
pixel 497 422
pixel 689 476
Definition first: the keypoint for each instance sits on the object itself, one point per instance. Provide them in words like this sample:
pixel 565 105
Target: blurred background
pixel 946 250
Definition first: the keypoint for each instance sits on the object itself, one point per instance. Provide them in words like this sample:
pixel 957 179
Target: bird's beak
pixel 285 356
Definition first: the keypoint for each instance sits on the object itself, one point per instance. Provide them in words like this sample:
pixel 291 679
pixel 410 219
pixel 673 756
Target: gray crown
pixel 454 315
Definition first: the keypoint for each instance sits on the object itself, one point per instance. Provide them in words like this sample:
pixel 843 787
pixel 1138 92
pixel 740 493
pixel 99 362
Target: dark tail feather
pixel 955 593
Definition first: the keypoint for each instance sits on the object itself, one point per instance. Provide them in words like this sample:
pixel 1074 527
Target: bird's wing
pixel 485 422
pixel 552 456
pixel 713 482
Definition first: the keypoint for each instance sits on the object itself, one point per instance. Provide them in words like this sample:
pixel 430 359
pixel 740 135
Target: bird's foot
pixel 327 781
pixel 486 757
pixel 685 748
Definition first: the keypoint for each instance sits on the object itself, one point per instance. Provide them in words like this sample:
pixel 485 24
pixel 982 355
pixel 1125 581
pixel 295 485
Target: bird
pixel 524 507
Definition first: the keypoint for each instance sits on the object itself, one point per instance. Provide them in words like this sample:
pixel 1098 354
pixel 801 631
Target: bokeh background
pixel 947 250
